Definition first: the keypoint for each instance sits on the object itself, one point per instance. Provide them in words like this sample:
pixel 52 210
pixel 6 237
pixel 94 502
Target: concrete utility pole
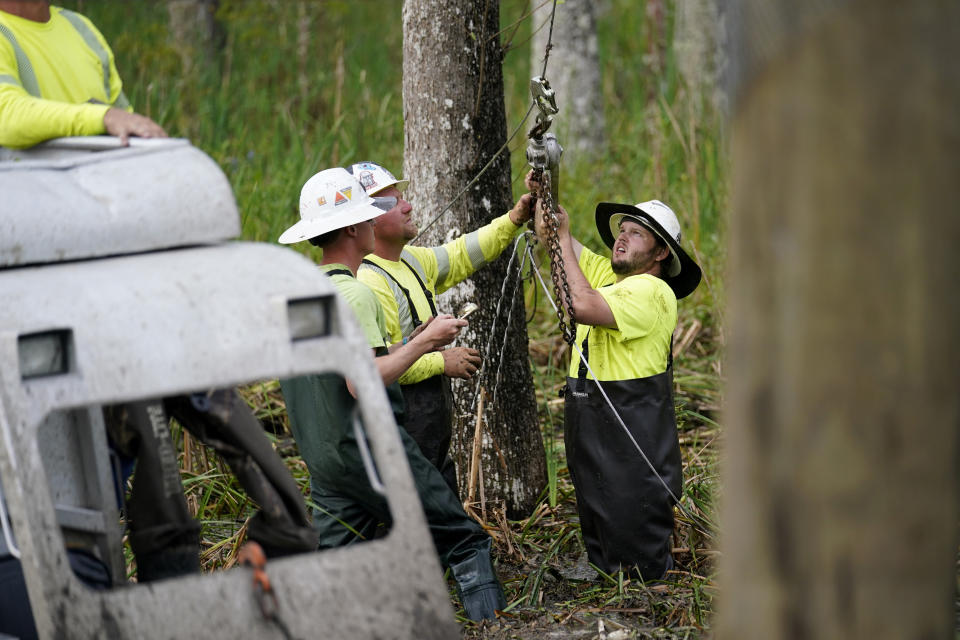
pixel 841 472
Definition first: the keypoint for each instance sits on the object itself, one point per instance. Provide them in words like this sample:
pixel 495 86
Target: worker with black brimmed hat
pixel 625 307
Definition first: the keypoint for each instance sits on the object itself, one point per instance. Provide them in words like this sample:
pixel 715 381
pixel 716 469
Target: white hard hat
pixel 329 200
pixel 375 178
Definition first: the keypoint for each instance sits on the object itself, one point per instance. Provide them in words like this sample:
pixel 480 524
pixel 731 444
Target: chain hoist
pixel 543 154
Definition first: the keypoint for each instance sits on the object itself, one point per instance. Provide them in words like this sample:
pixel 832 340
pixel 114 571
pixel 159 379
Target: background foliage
pixel 306 85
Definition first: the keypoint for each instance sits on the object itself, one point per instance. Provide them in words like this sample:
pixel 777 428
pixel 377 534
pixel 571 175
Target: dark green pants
pixel 321 414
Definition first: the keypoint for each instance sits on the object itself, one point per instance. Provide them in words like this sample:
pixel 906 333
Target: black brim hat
pixel 684 274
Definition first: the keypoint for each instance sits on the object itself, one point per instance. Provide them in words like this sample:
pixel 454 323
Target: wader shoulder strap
pixel 398 291
pixel 410 260
pixel 584 358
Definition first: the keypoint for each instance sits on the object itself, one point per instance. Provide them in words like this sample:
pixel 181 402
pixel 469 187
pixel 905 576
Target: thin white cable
pixel 7 533
pixel 506 326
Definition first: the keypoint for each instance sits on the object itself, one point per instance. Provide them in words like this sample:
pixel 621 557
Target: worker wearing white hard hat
pixel 407 280
pixel 625 309
pixel 337 215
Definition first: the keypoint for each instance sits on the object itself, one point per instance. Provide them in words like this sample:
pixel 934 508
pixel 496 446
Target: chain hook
pixel 546 101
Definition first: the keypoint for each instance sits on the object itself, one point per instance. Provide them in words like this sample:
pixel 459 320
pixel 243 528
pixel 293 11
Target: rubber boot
pixel 478 586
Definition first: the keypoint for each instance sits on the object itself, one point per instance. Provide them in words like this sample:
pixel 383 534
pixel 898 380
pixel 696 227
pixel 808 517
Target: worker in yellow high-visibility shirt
pixel 407 280
pixel 58 78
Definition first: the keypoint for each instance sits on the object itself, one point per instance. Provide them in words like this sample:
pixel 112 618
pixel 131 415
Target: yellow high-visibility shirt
pixel 439 269
pixel 645 309
pixel 57 78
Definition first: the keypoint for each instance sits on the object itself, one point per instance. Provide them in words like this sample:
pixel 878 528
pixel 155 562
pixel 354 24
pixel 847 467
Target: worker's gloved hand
pixel 523 210
pixel 461 362
pixel 480 590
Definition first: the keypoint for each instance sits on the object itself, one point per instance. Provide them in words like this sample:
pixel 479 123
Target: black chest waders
pixel 430 423
pixel 429 418
pixel 626 514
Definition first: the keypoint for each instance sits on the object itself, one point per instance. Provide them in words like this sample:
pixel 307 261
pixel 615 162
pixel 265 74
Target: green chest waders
pixel 321 413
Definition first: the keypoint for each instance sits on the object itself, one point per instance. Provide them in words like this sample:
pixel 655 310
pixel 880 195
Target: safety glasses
pixel 384 202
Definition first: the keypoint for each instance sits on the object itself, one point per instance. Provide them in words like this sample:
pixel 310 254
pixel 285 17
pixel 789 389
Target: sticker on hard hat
pixel 343 196
pixel 321 201
pixel 367 180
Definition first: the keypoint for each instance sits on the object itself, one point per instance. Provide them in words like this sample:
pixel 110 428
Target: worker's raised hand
pixel 522 211
pixel 531 184
pixel 124 124
pixel 441 331
pixel 461 362
pixel 543 223
pixel 563 220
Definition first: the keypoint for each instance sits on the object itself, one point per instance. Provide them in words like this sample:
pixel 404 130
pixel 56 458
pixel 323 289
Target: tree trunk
pixel 196 33
pixel 698 45
pixel 454 123
pixel 841 471
pixel 573 70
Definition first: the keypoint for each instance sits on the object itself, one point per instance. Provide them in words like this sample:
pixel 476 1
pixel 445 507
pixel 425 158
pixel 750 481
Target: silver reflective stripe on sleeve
pixel 474 251
pixel 121 102
pixel 443 263
pixel 95 45
pixel 28 79
pixel 403 309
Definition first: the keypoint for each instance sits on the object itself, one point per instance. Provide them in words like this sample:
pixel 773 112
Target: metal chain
pixel 557 273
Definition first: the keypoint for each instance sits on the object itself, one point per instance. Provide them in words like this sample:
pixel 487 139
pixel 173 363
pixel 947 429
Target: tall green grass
pixel 301 86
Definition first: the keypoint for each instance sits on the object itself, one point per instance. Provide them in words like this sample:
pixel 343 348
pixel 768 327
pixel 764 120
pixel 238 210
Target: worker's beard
pixel 626 264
